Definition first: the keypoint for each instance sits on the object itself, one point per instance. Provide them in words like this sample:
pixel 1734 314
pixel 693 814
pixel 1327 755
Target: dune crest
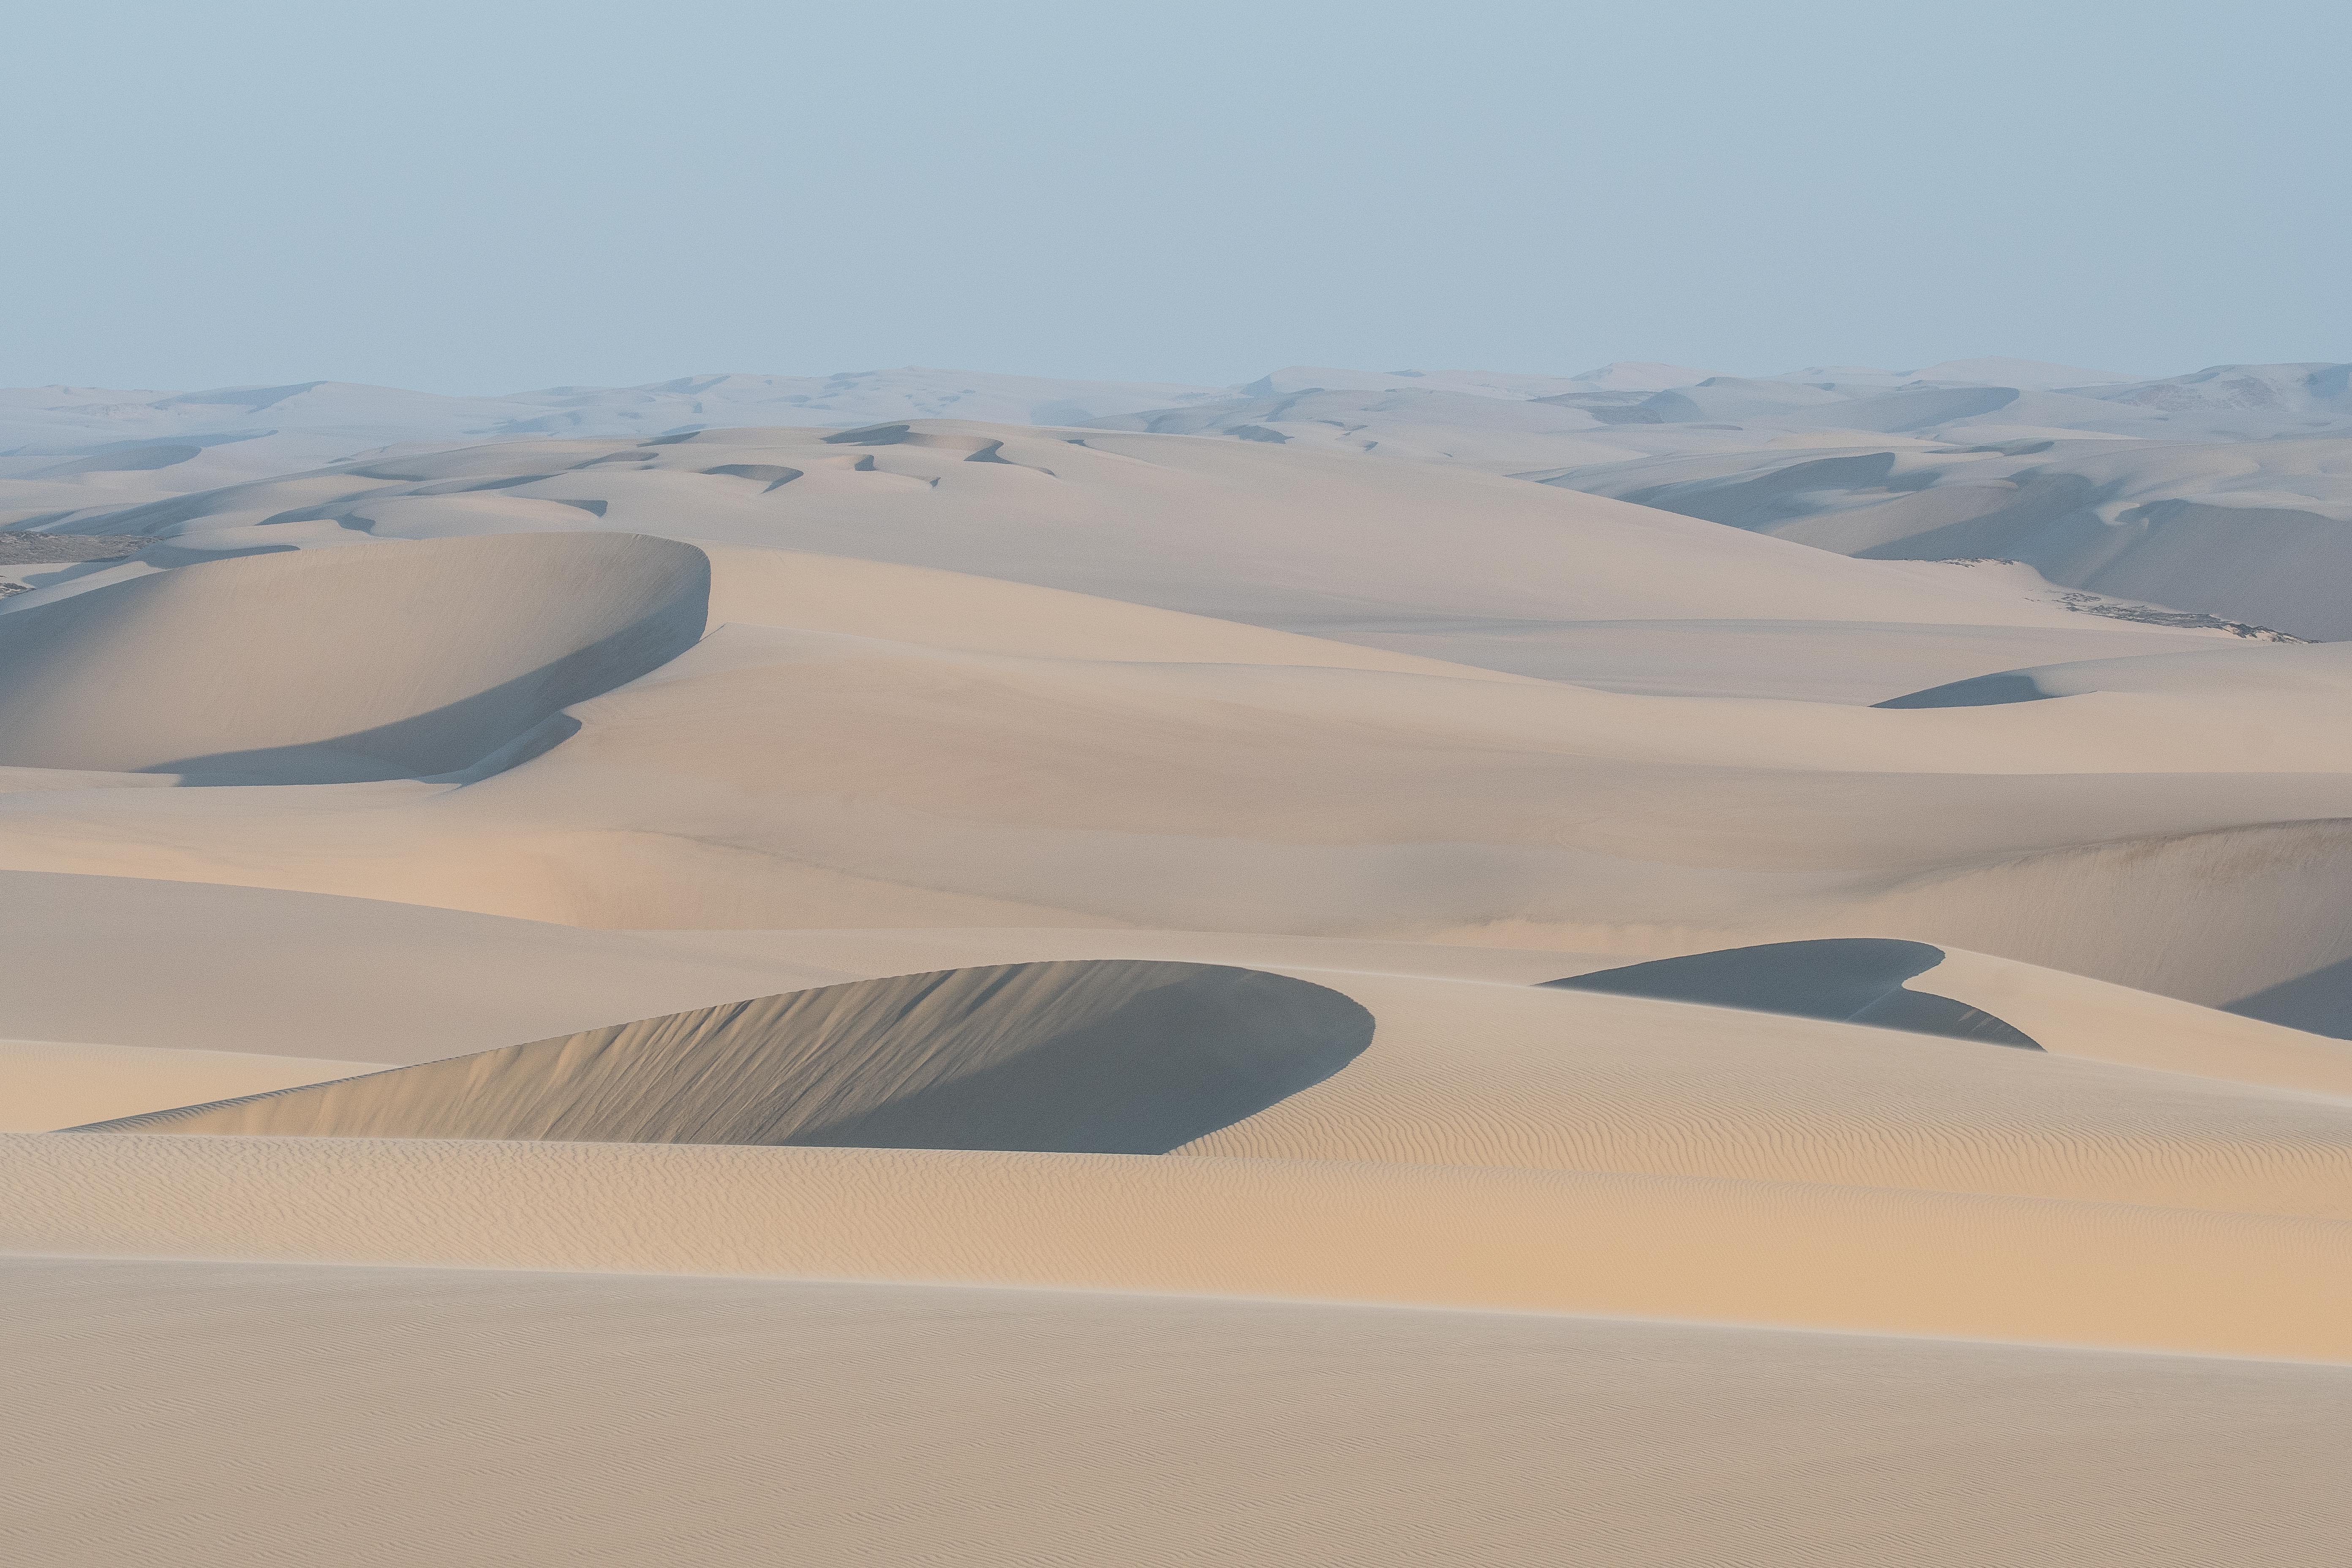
pixel 325 666
pixel 1102 1057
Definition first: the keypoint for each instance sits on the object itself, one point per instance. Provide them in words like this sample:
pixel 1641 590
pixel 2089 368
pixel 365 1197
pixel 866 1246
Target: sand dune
pixel 1530 1078
pixel 2067 1015
pixel 1318 542
pixel 331 664
pixel 49 1084
pixel 67 453
pixel 169 964
pixel 1098 1427
pixel 2305 683
pixel 2162 521
pixel 1102 1058
pixel 1112 1056
pixel 773 777
pixel 914 992
pixel 1959 1265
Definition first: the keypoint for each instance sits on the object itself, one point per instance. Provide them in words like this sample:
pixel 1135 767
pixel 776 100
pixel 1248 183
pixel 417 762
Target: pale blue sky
pixel 505 194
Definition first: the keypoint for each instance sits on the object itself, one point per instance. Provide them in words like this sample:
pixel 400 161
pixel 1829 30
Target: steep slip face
pixel 1855 980
pixel 2253 531
pixel 1102 1058
pixel 332 665
pixel 2303 681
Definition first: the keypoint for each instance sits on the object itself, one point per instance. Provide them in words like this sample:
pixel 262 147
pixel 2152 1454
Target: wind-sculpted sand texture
pixel 1103 1058
pixel 943 990
pixel 408 1417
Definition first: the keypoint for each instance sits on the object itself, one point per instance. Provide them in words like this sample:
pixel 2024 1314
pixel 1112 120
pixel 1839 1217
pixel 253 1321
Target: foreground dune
pixel 406 1417
pixel 1953 1265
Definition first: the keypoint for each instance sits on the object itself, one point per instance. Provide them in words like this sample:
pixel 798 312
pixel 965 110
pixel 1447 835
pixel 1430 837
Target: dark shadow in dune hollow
pixel 1851 979
pixel 2319 1002
pixel 499 726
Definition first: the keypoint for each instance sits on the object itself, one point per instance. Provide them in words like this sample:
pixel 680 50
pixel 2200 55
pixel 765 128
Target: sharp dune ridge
pixel 1103 1057
pixel 1372 966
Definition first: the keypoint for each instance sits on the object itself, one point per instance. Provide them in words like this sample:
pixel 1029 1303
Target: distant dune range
pixel 1255 987
pixel 875 742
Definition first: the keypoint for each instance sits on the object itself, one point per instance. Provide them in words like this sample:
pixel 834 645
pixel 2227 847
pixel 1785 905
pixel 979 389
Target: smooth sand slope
pixel 581 1419
pixel 137 961
pixel 49 1084
pixel 1914 1262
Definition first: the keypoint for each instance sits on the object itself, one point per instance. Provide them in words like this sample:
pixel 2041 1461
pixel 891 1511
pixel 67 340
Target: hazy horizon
pixel 535 195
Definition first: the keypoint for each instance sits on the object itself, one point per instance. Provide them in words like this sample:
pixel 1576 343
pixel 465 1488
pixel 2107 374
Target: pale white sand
pixel 1883 1260
pixel 49 1084
pixel 618 892
pixel 385 1418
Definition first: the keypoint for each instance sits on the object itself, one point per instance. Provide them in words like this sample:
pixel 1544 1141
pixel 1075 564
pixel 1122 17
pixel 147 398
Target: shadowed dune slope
pixel 1106 1057
pixel 1857 980
pixel 2317 676
pixel 319 665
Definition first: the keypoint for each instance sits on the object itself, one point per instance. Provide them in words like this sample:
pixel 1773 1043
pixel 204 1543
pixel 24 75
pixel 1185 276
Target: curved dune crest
pixel 1532 1077
pixel 50 1084
pixel 1854 980
pixel 322 666
pixel 1099 1057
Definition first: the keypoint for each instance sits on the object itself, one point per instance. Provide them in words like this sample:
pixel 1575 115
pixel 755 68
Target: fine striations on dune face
pixel 1086 1058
